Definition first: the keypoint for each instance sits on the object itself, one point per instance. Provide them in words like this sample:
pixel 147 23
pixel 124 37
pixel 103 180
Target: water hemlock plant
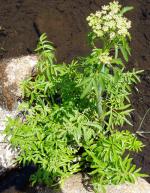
pixel 71 113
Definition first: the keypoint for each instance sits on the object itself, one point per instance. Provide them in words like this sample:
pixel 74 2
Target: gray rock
pixel 13 71
pixel 74 185
pixel 140 186
pixel 7 153
pixel 3 116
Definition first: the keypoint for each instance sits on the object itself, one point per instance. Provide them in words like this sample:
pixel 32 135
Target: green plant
pixel 73 112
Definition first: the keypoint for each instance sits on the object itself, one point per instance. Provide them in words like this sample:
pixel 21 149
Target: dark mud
pixel 22 21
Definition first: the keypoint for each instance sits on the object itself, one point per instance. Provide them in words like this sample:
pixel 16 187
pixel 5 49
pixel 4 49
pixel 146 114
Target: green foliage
pixel 71 113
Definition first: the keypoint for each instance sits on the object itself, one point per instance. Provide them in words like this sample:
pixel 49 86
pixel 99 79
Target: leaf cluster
pixel 69 118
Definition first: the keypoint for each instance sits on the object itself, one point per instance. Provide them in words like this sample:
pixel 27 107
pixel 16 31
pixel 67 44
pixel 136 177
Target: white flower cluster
pixel 109 22
pixel 105 58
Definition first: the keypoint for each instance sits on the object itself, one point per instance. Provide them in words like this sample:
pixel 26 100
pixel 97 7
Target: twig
pixel 140 126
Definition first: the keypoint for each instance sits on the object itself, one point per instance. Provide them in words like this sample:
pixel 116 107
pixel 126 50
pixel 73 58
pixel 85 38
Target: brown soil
pixel 64 21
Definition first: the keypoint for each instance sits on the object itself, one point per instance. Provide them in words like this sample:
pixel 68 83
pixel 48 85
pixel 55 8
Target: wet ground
pixel 21 23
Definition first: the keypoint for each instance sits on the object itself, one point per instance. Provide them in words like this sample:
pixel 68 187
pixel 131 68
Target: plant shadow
pixel 17 181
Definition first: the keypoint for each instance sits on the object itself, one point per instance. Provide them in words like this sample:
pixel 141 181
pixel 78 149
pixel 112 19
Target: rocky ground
pixel 16 70
pixel 64 21
pixel 74 184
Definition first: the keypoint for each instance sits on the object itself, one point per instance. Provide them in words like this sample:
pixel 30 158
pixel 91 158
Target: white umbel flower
pixel 109 22
pixel 105 58
pixel 112 35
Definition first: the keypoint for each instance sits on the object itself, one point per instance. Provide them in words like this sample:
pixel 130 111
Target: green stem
pixel 99 100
